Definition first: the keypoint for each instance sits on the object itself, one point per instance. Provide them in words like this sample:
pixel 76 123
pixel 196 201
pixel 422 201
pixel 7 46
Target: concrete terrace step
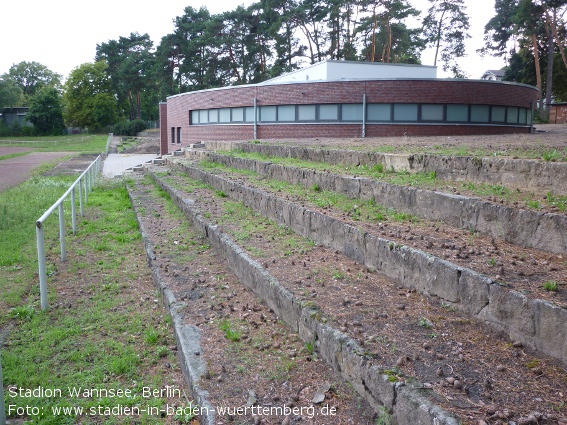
pixel 509 309
pixel 408 403
pixel 537 323
pixel 537 176
pixel 185 288
pixel 546 231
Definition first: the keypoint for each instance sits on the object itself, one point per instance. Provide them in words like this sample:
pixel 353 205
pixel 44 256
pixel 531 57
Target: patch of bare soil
pixel 253 358
pixel 147 145
pixel 468 368
pixel 72 166
pixel 546 136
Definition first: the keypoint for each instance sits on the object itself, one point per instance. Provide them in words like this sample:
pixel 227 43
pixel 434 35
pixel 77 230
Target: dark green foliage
pixel 446 28
pixel 129 128
pixel 31 77
pixel 46 112
pixel 90 100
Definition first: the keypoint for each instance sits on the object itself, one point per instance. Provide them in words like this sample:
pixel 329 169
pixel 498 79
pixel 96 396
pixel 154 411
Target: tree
pixel 520 21
pixel 10 93
pixel 130 63
pixel 309 16
pixel 387 37
pixel 46 112
pixel 32 77
pixel 89 97
pixel 446 28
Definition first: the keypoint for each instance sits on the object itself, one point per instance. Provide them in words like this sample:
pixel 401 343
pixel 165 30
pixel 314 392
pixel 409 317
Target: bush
pixel 129 128
pixel 137 126
pixel 5 131
pixel 29 131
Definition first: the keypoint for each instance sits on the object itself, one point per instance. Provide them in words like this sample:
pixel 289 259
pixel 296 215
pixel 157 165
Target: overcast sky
pixel 63 34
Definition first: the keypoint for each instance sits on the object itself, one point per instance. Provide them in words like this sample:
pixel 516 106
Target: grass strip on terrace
pixel 420 180
pixel 357 209
pixel 251 223
pixel 538 150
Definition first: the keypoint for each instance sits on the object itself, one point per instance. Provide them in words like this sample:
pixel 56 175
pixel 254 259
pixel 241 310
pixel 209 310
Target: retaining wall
pixel 525 174
pixel 407 404
pixel 545 231
pixel 537 323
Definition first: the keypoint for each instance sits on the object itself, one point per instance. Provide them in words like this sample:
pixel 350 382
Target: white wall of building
pixel 348 70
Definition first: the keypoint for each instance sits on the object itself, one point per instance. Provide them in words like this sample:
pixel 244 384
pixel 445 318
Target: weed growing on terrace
pixel 551 285
pixel 229 330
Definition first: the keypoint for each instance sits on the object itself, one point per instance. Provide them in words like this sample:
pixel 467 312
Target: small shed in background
pixel 558 113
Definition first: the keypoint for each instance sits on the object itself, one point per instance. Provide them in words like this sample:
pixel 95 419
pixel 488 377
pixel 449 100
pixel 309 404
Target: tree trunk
pixel 557 38
pixel 438 37
pixel 373 49
pixel 538 68
pixel 549 82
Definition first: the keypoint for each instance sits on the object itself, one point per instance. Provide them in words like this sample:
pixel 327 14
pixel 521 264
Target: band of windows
pixel 375 113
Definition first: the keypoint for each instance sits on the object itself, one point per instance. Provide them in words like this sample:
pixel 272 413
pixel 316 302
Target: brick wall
pixel 377 91
pixel 163 128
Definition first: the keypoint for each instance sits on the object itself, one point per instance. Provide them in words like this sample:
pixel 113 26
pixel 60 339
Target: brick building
pixel 347 99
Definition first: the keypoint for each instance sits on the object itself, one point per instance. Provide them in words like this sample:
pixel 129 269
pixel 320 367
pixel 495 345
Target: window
pixel 430 112
pixel 286 113
pixel 224 115
pixel 249 114
pixel 237 114
pixel 213 115
pixel 268 113
pixel 329 112
pixel 172 134
pixel 405 112
pixel 498 114
pixel 178 135
pixel 203 116
pixel 306 112
pixel 458 113
pixel 352 112
pixel 523 116
pixel 480 113
pixel 379 112
pixel 194 117
pixel 512 117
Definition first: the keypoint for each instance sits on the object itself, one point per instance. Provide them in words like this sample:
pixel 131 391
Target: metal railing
pixel 108 142
pixel 45 142
pixel 87 178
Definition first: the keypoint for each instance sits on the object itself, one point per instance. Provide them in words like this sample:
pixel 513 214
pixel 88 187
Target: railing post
pixel 81 197
pixel 41 262
pixel 62 231
pixel 73 211
pixel 86 188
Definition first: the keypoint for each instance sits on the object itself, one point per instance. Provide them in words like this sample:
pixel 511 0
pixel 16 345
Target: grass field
pixel 88 144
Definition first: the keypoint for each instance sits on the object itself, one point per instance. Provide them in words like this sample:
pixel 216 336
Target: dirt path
pixel 14 171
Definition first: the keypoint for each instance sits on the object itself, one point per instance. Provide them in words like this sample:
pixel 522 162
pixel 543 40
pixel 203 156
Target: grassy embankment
pixel 105 331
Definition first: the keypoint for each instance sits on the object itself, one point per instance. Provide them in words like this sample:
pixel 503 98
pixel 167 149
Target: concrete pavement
pixel 116 164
